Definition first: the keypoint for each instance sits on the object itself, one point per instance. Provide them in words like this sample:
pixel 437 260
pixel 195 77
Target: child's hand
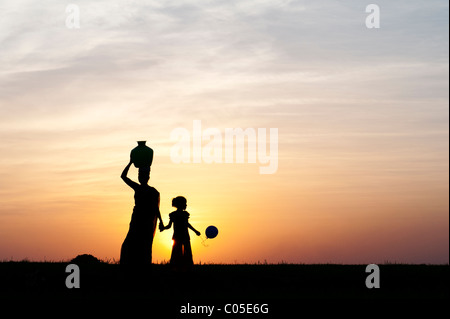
pixel 161 227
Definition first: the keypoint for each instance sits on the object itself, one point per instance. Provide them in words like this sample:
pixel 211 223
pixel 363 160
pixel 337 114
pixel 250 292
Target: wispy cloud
pixel 348 101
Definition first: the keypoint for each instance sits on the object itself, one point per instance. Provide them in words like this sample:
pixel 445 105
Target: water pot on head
pixel 142 155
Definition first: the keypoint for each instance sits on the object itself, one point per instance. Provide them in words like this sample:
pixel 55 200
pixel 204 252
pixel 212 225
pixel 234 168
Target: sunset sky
pixel 362 116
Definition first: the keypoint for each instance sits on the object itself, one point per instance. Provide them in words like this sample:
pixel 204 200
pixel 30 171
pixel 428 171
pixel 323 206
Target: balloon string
pixel 204 240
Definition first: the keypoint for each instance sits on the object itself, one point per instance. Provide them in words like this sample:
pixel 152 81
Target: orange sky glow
pixel 362 119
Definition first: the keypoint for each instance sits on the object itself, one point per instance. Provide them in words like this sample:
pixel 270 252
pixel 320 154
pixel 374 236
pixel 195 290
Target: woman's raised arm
pixel 128 181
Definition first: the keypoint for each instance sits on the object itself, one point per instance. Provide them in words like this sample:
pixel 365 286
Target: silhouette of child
pixel 181 251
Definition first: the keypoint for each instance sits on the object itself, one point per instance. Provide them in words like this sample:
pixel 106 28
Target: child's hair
pixel 179 202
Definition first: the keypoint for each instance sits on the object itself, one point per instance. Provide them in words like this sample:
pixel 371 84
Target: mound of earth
pixel 85 259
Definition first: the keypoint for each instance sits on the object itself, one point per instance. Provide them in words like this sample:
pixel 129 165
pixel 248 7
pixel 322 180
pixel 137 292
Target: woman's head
pixel 144 176
pixel 179 202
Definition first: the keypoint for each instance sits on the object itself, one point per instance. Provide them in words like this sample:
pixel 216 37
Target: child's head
pixel 179 202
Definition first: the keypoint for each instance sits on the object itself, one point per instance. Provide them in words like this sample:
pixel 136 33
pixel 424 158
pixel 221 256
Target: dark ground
pixel 285 288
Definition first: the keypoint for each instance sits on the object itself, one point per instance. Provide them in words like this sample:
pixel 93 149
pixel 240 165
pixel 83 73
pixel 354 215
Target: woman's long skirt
pixel 137 247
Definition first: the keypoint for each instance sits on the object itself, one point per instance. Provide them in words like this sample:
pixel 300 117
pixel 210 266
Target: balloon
pixel 211 232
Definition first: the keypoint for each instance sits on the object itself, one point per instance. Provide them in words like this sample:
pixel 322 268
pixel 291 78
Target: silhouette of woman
pixel 137 246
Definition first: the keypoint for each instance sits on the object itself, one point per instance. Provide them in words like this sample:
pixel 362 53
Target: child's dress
pixel 181 250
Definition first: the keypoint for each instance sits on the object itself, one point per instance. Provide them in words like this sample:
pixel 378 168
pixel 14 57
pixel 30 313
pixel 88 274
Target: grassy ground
pixel 282 285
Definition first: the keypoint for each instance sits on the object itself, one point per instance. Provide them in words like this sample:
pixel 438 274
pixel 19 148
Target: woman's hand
pixel 125 170
pixel 197 233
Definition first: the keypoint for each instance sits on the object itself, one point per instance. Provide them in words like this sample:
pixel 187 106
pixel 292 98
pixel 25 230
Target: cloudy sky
pixel 362 115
